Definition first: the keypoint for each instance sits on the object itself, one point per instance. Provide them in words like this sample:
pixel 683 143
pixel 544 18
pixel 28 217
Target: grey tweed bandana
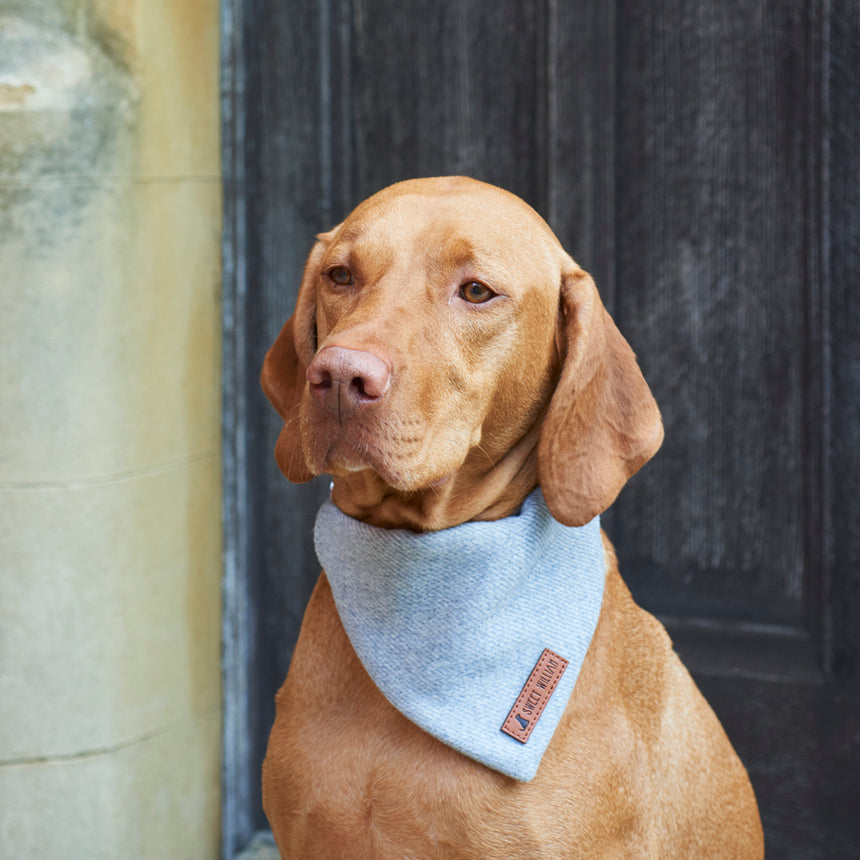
pixel 476 633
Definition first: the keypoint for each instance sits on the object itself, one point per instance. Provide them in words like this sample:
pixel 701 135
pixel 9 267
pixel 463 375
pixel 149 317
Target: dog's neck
pixel 479 490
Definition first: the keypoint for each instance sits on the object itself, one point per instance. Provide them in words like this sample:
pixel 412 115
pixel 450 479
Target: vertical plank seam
pixel 235 788
pixel 825 488
pixel 611 168
pixel 816 392
pixel 346 118
pixel 546 76
pixel 325 204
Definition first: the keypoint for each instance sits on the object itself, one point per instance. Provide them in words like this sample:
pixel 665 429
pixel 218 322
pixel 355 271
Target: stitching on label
pixel 534 696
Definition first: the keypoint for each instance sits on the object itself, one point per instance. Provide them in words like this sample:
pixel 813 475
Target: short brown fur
pixel 481 404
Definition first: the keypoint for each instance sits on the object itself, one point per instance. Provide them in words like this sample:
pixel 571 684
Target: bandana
pixel 476 633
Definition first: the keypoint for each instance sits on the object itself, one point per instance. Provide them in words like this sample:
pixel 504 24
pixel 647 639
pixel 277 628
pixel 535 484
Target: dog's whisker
pixel 486 454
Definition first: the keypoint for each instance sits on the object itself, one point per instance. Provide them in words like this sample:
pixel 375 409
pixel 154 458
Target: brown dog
pixel 445 357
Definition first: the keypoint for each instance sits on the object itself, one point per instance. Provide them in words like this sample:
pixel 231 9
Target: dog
pixel 446 362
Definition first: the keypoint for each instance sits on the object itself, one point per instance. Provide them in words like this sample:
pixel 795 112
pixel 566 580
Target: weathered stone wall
pixel 109 429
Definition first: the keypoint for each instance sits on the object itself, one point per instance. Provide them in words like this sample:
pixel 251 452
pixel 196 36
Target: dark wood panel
pixel 285 202
pixel 703 162
pixel 801 745
pixel 713 137
pixel 842 403
pixel 451 87
pixel 581 135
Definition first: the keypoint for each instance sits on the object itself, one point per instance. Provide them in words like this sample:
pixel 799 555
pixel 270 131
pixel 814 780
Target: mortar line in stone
pixel 111 478
pixel 109 750
pixel 24 181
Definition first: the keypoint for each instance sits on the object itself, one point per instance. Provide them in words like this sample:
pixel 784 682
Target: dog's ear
pixel 603 423
pixel 285 365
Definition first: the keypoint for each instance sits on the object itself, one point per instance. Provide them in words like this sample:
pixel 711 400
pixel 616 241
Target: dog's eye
pixel 340 275
pixel 476 292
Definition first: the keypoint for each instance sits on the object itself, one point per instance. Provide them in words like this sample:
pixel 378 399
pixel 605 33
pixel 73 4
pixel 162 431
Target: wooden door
pixel 702 160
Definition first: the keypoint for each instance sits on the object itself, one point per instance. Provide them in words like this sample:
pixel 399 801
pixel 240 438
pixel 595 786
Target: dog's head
pixel 441 324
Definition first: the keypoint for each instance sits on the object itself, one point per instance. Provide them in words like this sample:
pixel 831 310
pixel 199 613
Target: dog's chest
pixel 345 768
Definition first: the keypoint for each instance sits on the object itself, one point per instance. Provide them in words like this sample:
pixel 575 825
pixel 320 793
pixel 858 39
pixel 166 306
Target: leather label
pixel 534 696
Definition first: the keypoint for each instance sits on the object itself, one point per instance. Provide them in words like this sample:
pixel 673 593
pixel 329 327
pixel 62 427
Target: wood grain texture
pixel 842 416
pixel 712 292
pixel 449 88
pixel 580 136
pixel 283 203
pixel 238 604
pixel 800 743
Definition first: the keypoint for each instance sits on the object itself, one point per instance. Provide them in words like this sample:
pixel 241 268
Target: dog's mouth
pixel 399 452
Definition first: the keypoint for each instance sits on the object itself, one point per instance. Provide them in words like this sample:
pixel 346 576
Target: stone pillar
pixel 109 429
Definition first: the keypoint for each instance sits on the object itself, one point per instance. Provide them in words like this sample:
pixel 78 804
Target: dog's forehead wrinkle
pixel 445 237
pixel 410 213
pixel 367 258
pixel 458 259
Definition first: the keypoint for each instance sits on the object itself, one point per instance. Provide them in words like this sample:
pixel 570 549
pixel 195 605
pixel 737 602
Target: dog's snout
pixel 345 380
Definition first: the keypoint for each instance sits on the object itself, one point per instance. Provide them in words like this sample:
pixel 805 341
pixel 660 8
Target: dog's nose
pixel 345 380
